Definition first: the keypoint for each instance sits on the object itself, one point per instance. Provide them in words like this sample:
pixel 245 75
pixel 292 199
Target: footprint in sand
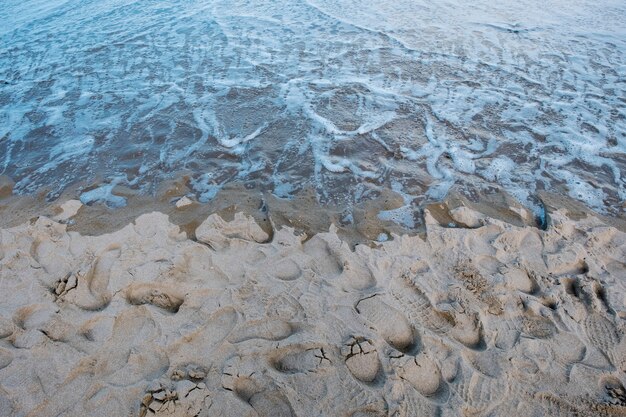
pixel 287 270
pixel 423 374
pixel 92 291
pixel 267 329
pixel 284 306
pixel 255 389
pixel 411 403
pixel 356 274
pixel 598 321
pixel 520 280
pixel 388 322
pixel 184 398
pixel 361 359
pixel 478 391
pixel 198 345
pixel 220 234
pixel 283 268
pixel 465 329
pixel 163 296
pixel 300 358
pixel 325 261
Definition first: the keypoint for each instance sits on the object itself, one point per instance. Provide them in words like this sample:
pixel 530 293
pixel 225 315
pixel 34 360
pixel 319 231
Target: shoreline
pixel 148 320
pixel 356 223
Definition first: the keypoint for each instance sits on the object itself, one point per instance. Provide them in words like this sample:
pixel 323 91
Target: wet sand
pixel 359 223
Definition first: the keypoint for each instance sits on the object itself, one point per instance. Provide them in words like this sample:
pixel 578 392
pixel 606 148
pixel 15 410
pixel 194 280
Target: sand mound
pixel 496 320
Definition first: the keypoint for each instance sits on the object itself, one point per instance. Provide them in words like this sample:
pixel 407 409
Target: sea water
pixel 344 96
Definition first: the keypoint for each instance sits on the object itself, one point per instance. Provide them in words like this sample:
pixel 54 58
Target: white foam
pixel 103 195
pixel 404 216
pixel 206 186
pixel 297 94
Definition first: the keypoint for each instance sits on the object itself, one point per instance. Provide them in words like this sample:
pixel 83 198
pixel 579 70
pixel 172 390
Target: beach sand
pixel 235 319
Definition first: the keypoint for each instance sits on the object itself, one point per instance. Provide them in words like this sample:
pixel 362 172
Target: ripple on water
pixel 345 96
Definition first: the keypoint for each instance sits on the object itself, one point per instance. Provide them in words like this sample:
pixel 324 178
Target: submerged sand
pixel 491 319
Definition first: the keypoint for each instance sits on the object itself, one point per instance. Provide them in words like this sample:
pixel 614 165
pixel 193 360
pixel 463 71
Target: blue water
pixel 345 96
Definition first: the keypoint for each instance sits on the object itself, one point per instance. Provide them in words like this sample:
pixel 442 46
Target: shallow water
pixel 345 96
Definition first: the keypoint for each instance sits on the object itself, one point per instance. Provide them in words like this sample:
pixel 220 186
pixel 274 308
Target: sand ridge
pixel 485 321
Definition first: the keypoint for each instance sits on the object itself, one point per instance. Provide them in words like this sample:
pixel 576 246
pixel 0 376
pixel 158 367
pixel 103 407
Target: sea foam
pixel 343 96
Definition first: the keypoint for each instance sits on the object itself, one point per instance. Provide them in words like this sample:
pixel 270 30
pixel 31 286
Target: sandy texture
pixel 495 320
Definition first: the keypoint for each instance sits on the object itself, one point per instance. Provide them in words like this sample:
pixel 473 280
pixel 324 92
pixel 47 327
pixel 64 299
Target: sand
pixel 491 319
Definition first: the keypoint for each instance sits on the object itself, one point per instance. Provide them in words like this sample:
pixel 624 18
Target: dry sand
pixel 492 320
